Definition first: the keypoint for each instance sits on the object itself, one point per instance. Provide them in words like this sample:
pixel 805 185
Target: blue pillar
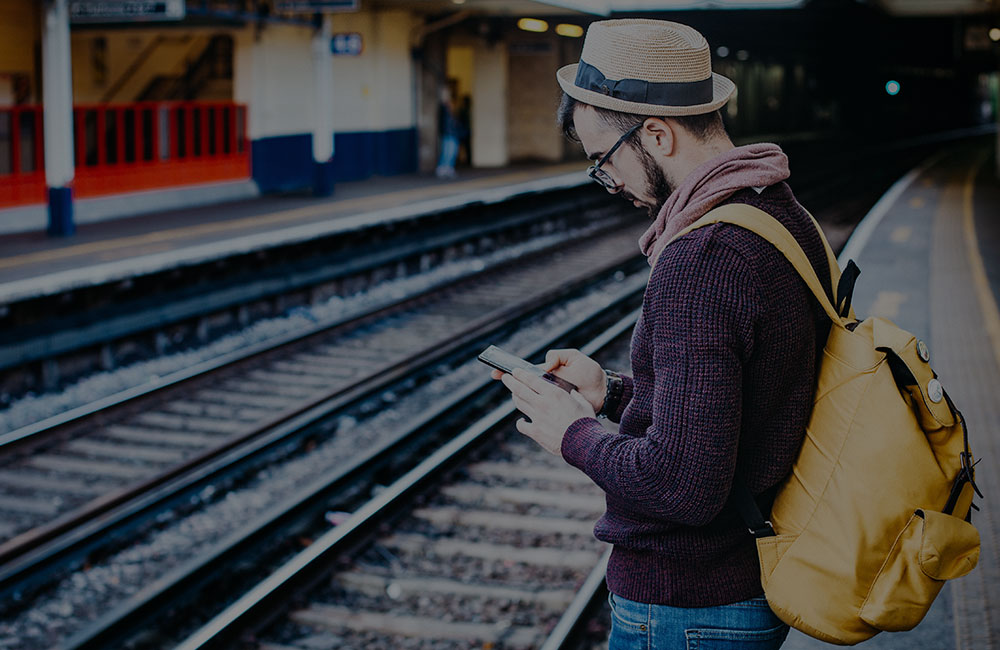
pixel 61 212
pixel 57 99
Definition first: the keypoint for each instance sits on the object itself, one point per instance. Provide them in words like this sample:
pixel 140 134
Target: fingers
pixel 524 427
pixel 535 383
pixel 519 390
pixel 524 407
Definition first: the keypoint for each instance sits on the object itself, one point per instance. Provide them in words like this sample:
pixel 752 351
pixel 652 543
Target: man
pixel 723 356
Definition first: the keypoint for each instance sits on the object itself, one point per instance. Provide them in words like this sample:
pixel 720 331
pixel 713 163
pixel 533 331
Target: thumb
pixel 555 358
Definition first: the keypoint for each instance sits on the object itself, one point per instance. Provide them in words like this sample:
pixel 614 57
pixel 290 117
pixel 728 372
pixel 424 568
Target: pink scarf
pixel 711 183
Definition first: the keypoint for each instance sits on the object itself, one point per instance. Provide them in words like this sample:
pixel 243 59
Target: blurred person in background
pixel 723 355
pixel 450 129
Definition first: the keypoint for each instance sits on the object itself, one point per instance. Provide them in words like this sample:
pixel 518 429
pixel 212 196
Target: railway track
pixel 51 342
pixel 489 544
pixel 53 476
pixel 391 348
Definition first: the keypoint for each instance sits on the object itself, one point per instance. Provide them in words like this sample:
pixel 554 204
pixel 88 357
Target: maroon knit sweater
pixel 723 362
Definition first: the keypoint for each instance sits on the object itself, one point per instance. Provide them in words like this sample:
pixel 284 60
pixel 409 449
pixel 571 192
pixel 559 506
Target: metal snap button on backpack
pixel 923 351
pixel 935 391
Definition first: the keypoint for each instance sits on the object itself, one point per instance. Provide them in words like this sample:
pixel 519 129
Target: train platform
pixel 929 254
pixel 33 264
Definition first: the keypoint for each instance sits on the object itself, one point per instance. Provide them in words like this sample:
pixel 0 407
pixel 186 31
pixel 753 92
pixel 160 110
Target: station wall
pixel 122 66
pixel 373 101
pixel 19 42
pixel 533 97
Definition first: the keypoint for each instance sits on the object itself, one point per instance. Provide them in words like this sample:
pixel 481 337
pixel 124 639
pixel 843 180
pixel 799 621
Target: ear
pixel 659 137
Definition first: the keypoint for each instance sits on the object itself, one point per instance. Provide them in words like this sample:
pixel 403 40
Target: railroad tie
pixel 475 494
pixel 447 547
pixel 339 618
pixel 413 586
pixel 566 474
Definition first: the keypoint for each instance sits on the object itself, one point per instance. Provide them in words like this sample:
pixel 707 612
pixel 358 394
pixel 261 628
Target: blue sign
pixel 314 6
pixel 127 11
pixel 347 44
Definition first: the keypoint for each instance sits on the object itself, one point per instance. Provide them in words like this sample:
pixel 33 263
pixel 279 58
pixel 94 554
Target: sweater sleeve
pixel 699 312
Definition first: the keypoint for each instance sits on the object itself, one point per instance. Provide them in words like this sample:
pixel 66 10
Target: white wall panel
pixel 274 76
pixel 374 91
pixel 371 92
pixel 534 98
pixel 489 106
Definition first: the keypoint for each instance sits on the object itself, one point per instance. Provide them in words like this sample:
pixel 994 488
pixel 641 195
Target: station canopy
pixel 933 7
pixel 596 7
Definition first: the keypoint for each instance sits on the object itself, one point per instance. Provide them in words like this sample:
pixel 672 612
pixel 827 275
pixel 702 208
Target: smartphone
pixel 506 362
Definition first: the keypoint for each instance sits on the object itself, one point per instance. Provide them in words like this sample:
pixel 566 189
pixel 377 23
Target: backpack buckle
pixel 767 530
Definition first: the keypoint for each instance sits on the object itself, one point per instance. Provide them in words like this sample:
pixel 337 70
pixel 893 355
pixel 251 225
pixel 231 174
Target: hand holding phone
pixel 507 362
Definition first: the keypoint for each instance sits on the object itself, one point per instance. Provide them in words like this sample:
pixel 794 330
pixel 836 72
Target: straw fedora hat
pixel 648 67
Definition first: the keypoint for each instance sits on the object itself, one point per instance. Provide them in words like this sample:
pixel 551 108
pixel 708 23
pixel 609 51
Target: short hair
pixel 703 127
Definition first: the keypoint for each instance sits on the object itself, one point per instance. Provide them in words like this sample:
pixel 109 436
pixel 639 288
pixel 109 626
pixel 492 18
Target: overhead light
pixel 892 87
pixel 742 55
pixel 533 25
pixel 995 34
pixel 722 51
pixel 572 31
pixel 458 2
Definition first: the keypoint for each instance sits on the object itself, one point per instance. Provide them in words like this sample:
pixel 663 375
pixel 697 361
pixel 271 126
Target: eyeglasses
pixel 601 176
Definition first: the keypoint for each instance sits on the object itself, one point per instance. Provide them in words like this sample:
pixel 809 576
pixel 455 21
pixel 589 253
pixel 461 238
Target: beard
pixel 657 184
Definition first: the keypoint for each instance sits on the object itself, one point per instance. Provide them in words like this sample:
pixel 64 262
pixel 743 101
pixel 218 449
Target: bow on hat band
pixel 668 93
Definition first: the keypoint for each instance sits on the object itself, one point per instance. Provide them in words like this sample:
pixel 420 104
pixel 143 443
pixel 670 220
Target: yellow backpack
pixel 875 514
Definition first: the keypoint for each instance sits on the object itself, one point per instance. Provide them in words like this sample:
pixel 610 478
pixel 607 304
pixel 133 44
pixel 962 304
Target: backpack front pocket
pixel 933 547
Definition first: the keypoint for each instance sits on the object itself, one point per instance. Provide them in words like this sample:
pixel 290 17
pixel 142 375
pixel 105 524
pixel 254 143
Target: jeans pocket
pixel 629 613
pixel 629 625
pixel 728 639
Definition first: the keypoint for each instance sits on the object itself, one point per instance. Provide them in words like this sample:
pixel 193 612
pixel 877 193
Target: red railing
pixel 131 147
pixel 22 167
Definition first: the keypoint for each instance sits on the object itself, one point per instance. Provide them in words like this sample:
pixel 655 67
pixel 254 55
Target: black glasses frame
pixel 601 176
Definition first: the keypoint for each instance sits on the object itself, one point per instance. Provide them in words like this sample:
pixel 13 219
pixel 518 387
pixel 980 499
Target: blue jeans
pixel 746 625
pixel 449 152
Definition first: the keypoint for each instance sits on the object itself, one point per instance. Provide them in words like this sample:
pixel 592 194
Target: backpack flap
pixel 909 360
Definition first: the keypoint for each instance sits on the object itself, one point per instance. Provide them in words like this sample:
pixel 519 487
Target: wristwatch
pixel 612 395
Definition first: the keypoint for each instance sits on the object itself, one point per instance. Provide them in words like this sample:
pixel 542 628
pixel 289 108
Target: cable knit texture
pixel 723 361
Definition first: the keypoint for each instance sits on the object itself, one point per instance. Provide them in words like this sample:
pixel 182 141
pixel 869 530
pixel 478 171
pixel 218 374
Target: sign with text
pixel 125 11
pixel 316 6
pixel 347 44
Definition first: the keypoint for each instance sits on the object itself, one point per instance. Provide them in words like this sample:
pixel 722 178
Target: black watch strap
pixel 612 394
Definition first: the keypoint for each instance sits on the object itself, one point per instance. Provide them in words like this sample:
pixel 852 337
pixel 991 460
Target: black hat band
pixel 667 93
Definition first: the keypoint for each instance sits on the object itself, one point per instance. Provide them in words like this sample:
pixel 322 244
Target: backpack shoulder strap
pixel 763 224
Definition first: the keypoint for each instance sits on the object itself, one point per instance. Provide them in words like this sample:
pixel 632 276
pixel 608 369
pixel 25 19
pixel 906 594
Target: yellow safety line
pixel 987 300
pixel 329 208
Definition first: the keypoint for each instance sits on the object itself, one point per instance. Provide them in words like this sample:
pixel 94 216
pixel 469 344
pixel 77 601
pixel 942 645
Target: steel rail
pixel 49 426
pixel 37 563
pixel 442 226
pixel 268 598
pixel 65 425
pixel 145 605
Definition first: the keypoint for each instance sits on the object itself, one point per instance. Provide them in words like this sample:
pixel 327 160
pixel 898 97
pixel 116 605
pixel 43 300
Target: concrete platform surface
pixel 33 264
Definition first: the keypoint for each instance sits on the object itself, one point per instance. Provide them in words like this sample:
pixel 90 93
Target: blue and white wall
pixel 373 121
